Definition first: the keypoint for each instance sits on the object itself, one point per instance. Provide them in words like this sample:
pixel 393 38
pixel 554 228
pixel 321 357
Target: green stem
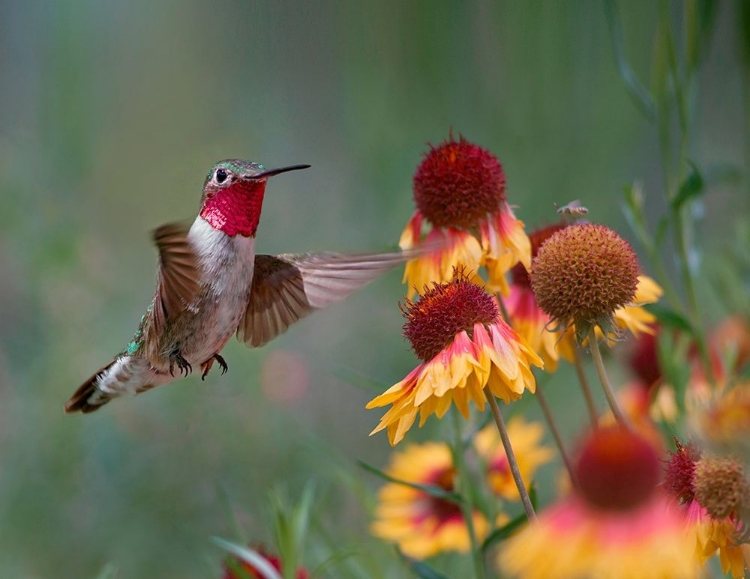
pixel 584 382
pixel 542 399
pixel 467 504
pixel 606 386
pixel 515 471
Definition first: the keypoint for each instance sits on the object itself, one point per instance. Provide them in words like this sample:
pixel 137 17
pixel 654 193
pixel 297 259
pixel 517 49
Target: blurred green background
pixel 111 113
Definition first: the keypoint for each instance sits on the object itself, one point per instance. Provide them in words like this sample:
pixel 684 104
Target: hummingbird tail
pixel 88 397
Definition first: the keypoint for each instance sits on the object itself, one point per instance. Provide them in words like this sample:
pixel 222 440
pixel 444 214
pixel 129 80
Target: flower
pixel 533 323
pixel 465 346
pixel 709 497
pixel 582 275
pixel 618 524
pixel 720 415
pixel 420 523
pixel 530 454
pixel 236 568
pixel 459 189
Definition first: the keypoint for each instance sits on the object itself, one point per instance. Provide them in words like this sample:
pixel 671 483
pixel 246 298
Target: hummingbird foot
pixel 206 366
pixel 182 364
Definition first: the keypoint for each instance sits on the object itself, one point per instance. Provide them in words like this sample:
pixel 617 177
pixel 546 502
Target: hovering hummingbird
pixel 210 284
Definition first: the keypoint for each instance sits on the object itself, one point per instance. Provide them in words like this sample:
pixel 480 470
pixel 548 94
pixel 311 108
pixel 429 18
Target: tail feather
pixel 85 399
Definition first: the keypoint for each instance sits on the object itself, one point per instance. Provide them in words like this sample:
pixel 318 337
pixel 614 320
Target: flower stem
pixel 542 399
pixel 584 382
pixel 608 392
pixel 467 503
pixel 515 471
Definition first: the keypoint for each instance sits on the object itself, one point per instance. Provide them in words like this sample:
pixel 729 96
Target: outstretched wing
pixel 177 277
pixel 287 287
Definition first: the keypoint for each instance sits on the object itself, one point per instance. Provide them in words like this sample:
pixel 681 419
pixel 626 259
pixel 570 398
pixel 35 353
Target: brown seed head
pixel 443 311
pixel 457 184
pixel 582 274
pixel 720 486
pixel 536 238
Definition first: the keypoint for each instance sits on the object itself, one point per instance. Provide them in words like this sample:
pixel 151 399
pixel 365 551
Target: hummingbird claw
pixel 206 366
pixel 182 364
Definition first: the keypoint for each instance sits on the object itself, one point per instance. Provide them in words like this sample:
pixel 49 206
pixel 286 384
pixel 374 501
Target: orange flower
pixel 420 523
pixel 617 525
pixel 459 189
pixel 465 346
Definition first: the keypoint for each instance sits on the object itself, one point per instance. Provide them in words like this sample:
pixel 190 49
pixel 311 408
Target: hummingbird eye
pixel 221 175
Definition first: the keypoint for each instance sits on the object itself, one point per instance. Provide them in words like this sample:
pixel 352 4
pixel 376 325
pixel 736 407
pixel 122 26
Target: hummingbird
pixel 210 285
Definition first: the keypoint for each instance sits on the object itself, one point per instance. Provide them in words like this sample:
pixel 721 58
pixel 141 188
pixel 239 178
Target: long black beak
pixel 272 172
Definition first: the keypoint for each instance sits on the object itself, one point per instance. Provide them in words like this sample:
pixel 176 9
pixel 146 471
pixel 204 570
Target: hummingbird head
pixel 233 195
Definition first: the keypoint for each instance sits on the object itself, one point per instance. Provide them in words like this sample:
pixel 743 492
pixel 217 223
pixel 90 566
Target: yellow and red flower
pixel 420 523
pixel 534 325
pixel 710 500
pixel 459 190
pixel 456 330
pixel 618 524
pixel 526 438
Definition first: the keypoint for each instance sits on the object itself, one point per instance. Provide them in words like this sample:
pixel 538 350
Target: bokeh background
pixel 111 113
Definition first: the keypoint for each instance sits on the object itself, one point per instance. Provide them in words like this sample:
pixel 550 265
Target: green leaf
pixel 637 91
pixel 502 533
pixel 432 490
pixel 670 318
pixel 108 572
pixel 421 569
pixel 661 231
pixel 692 187
pixel 250 557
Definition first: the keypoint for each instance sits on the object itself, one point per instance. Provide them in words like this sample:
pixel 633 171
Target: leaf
pixel 109 571
pixel 421 569
pixel 670 318
pixel 250 557
pixel 692 187
pixel 502 533
pixel 637 91
pixel 661 231
pixel 432 490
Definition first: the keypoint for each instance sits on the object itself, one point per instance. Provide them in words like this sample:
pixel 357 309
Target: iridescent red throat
pixel 236 209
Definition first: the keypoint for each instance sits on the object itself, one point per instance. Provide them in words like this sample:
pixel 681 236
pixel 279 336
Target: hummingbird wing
pixel 288 287
pixel 178 276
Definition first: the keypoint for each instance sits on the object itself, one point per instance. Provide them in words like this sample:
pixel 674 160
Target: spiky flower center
pixel 720 486
pixel 583 273
pixel 458 183
pixel 680 472
pixel 443 311
pixel 616 469
pixel 536 238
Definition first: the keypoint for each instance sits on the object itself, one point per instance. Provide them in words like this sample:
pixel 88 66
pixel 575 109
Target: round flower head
pixel 617 525
pixel 529 320
pixel 526 438
pixel 720 486
pixel 420 523
pixel 465 346
pixel 582 274
pixel 704 485
pixel 459 189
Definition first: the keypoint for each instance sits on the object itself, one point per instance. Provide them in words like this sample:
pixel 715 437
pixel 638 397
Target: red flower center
pixel 617 469
pixel 680 474
pixel 444 311
pixel 457 184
